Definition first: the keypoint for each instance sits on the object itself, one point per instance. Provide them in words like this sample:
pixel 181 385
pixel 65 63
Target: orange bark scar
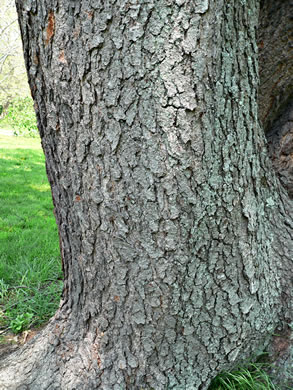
pixel 50 28
pixel 36 59
pixel 62 57
pixel 90 14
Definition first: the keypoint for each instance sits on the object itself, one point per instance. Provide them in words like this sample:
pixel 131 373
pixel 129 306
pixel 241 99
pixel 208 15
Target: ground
pixel 10 342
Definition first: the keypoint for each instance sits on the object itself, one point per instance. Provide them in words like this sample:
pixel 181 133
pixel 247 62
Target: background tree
pixel 13 78
pixel 175 233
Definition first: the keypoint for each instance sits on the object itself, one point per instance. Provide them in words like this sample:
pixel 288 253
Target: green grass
pixel 30 265
pixel 252 377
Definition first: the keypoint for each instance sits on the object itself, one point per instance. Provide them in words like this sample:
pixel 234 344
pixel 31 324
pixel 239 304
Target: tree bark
pixel 175 233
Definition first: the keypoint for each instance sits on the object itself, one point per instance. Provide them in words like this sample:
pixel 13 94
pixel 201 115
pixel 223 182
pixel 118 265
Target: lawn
pixel 30 265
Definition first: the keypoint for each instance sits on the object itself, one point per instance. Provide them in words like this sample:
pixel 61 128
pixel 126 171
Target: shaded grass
pixel 252 377
pixel 30 265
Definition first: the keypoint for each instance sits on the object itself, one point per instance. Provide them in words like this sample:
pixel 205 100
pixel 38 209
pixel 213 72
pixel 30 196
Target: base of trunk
pixel 51 360
pixel 281 359
pixel 57 359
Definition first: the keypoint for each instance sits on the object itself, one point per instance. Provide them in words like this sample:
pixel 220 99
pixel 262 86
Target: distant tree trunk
pixel 175 233
pixel 276 93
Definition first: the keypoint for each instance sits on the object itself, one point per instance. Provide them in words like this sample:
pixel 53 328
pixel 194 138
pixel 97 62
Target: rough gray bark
pixel 174 230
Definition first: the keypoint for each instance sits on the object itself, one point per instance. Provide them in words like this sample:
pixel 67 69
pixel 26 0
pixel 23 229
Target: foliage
pixel 20 322
pixel 21 116
pixel 252 377
pixel 30 266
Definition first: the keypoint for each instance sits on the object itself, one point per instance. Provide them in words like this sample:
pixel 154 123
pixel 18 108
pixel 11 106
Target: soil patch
pixel 11 342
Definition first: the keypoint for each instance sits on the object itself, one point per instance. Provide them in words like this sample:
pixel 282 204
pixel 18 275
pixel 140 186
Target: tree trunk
pixel 175 233
pixel 276 59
